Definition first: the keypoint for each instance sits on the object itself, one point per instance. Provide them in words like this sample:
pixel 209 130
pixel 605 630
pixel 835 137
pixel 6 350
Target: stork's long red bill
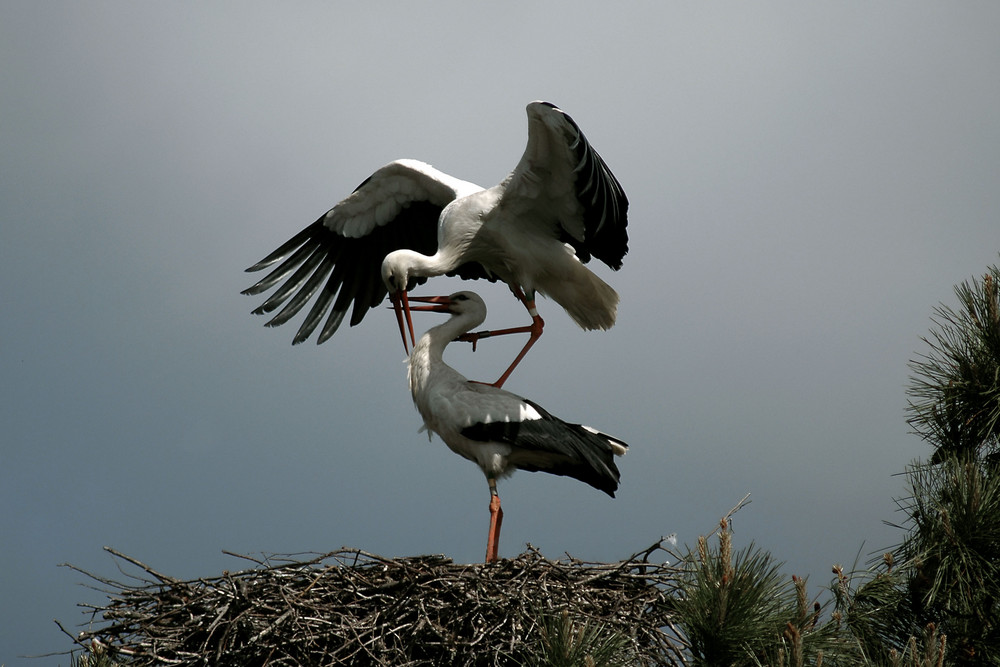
pixel 401 304
pixel 440 304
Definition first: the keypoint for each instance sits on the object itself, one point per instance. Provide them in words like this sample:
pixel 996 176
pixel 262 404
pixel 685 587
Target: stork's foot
pixel 473 337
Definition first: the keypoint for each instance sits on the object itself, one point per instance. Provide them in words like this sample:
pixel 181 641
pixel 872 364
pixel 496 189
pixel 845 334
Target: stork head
pixel 459 303
pixel 397 274
pixel 399 269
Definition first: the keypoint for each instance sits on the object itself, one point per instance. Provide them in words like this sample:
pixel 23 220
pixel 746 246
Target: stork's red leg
pixel 537 324
pixel 534 329
pixel 496 520
pixel 536 332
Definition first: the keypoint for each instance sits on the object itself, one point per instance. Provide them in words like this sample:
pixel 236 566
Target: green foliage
pixel 953 553
pixel 566 643
pixel 737 609
pixel 95 656
pixel 871 604
pixel 955 389
pixel 941 581
pixel 882 621
pixel 950 555
pixel 930 654
pixel 730 610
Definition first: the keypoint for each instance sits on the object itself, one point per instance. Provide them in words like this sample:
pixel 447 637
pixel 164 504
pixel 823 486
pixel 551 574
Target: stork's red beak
pixel 401 304
pixel 440 304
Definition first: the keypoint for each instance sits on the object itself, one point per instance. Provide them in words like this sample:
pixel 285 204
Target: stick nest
pixel 350 607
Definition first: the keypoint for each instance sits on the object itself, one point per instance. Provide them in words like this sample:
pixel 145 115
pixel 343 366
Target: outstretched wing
pixel 563 187
pixel 340 255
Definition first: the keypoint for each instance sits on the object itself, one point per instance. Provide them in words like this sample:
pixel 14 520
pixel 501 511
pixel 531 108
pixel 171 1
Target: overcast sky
pixel 807 181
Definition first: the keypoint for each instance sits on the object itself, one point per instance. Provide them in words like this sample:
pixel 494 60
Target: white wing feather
pixel 541 189
pixel 390 189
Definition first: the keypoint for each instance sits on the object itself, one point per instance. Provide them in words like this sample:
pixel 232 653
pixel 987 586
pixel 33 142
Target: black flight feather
pixel 571 450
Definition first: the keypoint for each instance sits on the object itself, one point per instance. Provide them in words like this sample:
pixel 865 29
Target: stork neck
pixel 427 265
pixel 437 338
pixel 426 360
pixel 427 355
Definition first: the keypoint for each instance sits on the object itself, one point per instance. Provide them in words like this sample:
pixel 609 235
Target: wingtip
pixel 259 287
pixel 263 264
pixel 540 108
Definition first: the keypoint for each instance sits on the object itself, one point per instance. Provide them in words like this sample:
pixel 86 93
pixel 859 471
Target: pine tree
pixel 942 582
pixel 955 389
pixel 948 575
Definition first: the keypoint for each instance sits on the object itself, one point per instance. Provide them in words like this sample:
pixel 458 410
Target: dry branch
pixel 350 607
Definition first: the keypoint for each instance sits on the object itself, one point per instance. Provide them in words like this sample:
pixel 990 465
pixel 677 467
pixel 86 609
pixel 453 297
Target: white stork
pixel 498 430
pixel 408 221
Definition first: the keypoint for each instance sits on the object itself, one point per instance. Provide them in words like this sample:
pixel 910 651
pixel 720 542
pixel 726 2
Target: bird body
pixel 496 429
pixel 408 221
pixel 515 255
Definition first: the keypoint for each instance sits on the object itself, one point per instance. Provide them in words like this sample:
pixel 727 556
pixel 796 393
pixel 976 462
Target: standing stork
pixel 408 221
pixel 498 430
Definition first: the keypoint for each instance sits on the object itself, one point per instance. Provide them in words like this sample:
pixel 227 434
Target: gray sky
pixel 807 181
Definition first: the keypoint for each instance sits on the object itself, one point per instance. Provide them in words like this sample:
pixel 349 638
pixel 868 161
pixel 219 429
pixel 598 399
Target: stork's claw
pixel 473 338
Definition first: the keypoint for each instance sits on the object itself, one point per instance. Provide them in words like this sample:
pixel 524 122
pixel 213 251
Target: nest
pixel 350 607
